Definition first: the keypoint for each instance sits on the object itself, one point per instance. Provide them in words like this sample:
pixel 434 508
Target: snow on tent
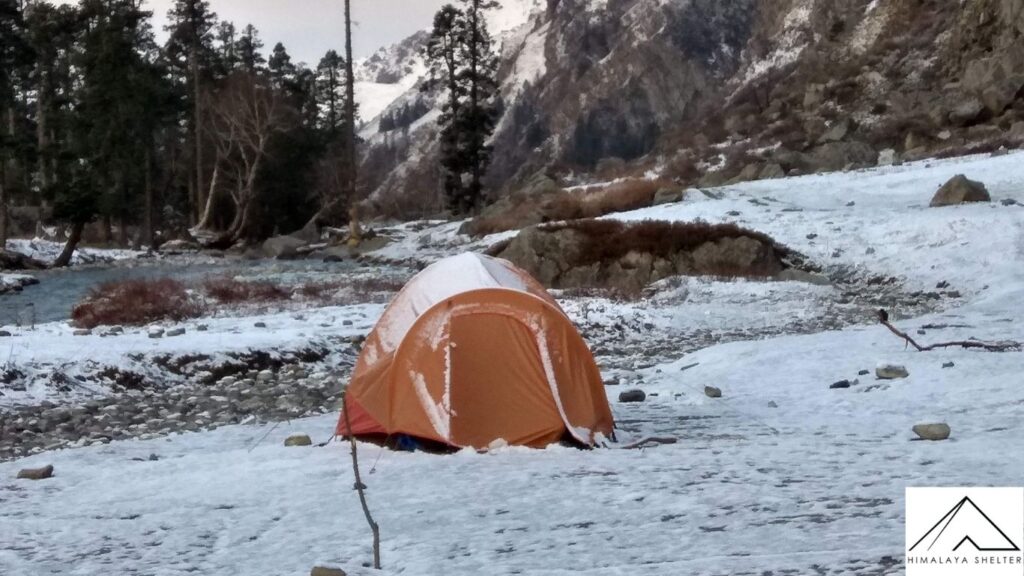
pixel 473 352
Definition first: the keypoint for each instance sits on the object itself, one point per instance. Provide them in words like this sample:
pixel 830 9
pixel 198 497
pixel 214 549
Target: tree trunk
pixel 69 248
pixel 197 131
pixel 147 218
pixel 205 222
pixel 350 108
pixel 3 211
pixel 42 134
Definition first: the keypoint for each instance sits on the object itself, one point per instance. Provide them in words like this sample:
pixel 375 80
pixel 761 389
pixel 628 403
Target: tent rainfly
pixel 473 352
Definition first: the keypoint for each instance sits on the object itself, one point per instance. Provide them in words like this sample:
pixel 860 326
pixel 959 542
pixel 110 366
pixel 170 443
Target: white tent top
pixel 442 280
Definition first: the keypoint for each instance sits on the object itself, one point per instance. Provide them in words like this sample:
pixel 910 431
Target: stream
pixel 58 290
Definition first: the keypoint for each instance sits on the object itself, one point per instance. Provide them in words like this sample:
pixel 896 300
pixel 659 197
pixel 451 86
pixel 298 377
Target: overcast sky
pixel 308 28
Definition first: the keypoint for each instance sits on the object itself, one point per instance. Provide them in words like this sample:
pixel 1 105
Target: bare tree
pixel 245 115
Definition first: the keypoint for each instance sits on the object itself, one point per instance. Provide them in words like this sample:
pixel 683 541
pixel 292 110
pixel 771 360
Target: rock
pixel 83 332
pixel 839 385
pixel 863 373
pixel 5 334
pixel 202 328
pixel 325 571
pixel 834 156
pixel 891 372
pixel 156 333
pixel 772 404
pixel 1016 132
pixel 175 332
pixel 814 95
pixel 934 432
pixel 997 79
pixel 948 364
pixel 1008 202
pixel 259 324
pixel 668 196
pixel 179 246
pixel 298 440
pixel 283 247
pixel 888 157
pixel 959 190
pixel 966 112
pixel 36 473
pixel 712 392
pixel 742 253
pixel 265 376
pixel 632 396
pixel 836 133
pixel 771 170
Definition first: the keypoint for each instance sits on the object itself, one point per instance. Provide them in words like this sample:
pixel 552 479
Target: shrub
pixel 231 291
pixel 134 303
pixel 609 240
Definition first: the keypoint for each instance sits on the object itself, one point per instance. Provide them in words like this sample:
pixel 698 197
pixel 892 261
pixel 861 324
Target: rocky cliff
pixel 710 91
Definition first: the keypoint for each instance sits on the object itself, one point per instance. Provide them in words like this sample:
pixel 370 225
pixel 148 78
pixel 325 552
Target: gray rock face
pixel 632 396
pixel 891 372
pixel 934 432
pixel 282 247
pixel 959 190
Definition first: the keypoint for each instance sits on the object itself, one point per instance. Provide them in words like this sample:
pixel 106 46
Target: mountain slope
pixel 712 91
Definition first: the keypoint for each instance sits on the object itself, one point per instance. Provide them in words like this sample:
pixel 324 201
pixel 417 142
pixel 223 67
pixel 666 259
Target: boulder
pixel 283 247
pixel 298 440
pixel 771 170
pixel 888 157
pixel 1016 132
pixel 36 473
pixel 836 133
pixel 966 112
pixel 959 190
pixel 632 396
pixel 712 392
pixel 545 254
pixel 934 432
pixel 891 372
pixel 840 385
pixel 834 156
pixel 175 332
pixel 997 79
pixel 17 261
pixel 668 196
pixel 742 254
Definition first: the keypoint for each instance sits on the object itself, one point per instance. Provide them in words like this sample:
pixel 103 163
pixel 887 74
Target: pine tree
pixel 15 62
pixel 330 94
pixel 190 52
pixel 248 48
pixel 462 59
pixel 226 39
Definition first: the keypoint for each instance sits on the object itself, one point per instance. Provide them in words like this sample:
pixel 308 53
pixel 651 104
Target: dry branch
pixel 1000 346
pixel 359 486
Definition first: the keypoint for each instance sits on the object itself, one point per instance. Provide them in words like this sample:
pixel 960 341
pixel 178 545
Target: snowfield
pixel 781 475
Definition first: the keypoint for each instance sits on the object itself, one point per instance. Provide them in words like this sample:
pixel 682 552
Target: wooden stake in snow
pixel 359 486
pixel 1001 346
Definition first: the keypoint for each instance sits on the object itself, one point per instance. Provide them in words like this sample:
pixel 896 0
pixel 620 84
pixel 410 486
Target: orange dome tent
pixel 471 352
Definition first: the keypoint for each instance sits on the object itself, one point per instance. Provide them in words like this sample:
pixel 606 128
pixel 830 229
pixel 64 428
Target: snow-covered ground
pixel 781 475
pixel 47 251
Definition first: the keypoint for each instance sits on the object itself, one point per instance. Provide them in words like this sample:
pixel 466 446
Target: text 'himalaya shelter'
pixel 474 351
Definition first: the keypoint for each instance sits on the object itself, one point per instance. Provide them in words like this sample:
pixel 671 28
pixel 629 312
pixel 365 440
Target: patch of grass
pixel 229 290
pixel 135 303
